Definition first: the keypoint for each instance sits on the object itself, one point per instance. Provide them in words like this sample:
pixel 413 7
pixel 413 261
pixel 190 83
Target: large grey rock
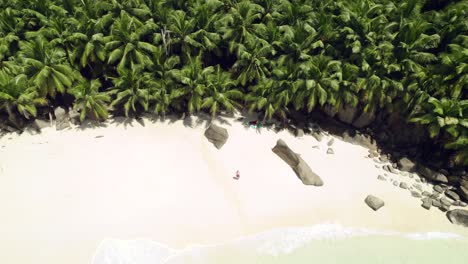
pixel 347 114
pixel 60 113
pixel 364 119
pixel 458 217
pixel 61 119
pixel 374 202
pixel 432 175
pixel 406 165
pixel 299 166
pixel 217 135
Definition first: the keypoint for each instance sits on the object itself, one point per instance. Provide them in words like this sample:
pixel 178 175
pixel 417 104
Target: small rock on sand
pixel 417 186
pixel 100 136
pixel 374 202
pixel 395 183
pixel 330 142
pixel 404 185
pixel 426 203
pixel 438 189
pixel 436 203
pixel 415 194
pixel 427 194
pixel 330 151
pixel 382 178
pixel 452 194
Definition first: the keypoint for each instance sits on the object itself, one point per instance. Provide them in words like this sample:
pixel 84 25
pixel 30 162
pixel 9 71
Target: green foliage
pixel 89 101
pixel 219 55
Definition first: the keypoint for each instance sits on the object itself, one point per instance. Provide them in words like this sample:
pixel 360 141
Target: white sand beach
pixel 63 192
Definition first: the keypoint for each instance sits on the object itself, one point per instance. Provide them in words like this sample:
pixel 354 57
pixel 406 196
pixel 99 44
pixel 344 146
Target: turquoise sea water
pixel 324 244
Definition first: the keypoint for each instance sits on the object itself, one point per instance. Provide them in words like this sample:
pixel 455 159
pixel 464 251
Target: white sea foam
pixel 274 243
pixel 117 251
pixel 433 235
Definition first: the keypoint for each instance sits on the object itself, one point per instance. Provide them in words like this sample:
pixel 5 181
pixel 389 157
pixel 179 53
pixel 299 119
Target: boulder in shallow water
pixel 300 167
pixel 458 217
pixel 216 135
pixel 374 202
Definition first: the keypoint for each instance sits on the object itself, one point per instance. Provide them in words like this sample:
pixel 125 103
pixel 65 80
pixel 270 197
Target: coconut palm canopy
pixel 271 56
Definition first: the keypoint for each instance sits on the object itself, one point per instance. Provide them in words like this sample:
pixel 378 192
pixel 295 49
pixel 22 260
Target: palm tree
pixel 262 97
pixel 294 12
pixel 252 62
pixel 221 92
pixel 46 67
pixel 193 78
pixel 17 97
pixel 165 90
pixel 445 114
pixel 127 46
pixel 89 100
pixel 11 29
pixel 182 29
pixel 132 88
pixel 240 25
pixel 297 44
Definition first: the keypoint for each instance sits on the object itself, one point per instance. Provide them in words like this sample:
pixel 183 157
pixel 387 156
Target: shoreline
pixel 103 189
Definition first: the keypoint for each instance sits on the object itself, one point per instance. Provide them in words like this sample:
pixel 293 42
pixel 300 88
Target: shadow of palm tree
pixel 122 120
pixel 90 124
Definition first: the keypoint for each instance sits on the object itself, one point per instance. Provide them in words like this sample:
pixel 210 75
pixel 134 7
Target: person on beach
pixel 237 175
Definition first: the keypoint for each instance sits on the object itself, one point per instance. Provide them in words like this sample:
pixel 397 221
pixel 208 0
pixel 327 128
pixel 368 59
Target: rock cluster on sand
pixel 300 167
pixel 374 202
pixel 216 135
pixel 458 217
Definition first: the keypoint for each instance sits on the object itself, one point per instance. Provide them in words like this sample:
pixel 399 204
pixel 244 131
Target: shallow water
pixel 325 244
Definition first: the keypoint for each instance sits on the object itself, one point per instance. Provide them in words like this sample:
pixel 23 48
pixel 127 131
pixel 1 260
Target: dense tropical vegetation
pixel 131 56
